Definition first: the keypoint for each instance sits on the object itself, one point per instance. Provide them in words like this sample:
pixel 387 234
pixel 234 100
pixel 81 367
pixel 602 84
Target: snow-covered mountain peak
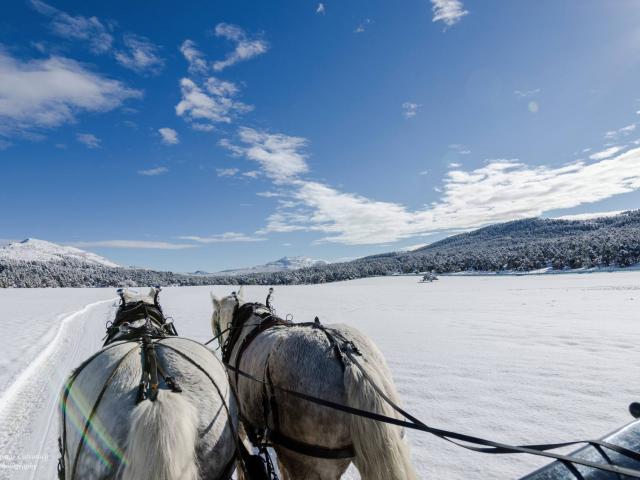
pixel 280 265
pixel 35 250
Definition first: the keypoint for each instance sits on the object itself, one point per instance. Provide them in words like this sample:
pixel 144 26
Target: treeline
pixel 518 246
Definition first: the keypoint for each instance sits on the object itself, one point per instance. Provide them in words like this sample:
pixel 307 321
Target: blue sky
pixel 212 135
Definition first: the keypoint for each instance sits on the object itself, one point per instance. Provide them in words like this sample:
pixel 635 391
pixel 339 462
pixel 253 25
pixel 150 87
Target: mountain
pixel 34 250
pixel 280 265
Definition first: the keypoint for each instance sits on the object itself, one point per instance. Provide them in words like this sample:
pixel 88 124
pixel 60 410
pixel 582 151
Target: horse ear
pixel 241 292
pixel 216 302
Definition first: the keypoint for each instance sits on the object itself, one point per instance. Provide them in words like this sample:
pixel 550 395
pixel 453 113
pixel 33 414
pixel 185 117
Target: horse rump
pixel 162 439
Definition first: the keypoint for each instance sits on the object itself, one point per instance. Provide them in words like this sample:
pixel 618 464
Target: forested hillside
pixel 519 246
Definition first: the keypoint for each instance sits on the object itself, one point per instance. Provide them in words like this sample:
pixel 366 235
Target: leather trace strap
pixel 274 435
pixel 469 442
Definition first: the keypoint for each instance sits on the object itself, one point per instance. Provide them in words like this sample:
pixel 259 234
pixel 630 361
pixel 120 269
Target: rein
pixel 347 352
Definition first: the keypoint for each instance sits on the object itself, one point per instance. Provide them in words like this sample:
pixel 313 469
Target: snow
pixel 590 216
pixel 522 359
pixel 282 264
pixel 34 250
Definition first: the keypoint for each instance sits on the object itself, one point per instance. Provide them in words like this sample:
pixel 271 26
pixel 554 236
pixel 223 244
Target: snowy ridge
pixel 34 250
pixel 280 265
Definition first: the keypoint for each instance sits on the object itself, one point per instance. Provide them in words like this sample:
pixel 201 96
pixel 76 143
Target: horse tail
pixel 162 439
pixel 381 452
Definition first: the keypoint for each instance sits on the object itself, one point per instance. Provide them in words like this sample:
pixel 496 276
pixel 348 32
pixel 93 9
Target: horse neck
pixel 240 331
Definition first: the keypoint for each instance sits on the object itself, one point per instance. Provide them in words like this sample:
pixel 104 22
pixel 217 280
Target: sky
pixel 209 135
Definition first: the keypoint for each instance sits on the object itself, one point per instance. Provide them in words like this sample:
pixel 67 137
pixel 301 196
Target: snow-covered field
pixel 517 359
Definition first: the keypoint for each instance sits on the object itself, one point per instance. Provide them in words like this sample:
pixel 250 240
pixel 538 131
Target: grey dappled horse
pixel 302 358
pixel 108 431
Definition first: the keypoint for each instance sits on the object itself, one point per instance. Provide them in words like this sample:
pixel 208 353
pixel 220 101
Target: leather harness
pixel 242 313
pixel 148 336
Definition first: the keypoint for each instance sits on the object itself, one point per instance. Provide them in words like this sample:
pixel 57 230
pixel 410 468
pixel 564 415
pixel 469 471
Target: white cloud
pixel 499 191
pixel 527 93
pixel 169 136
pixel 251 174
pixel 89 140
pixel 141 56
pixel 362 26
pixel 423 172
pixel 269 194
pixel 215 103
pixel 606 153
pixel 245 47
pixel 50 92
pixel 410 109
pixel 621 132
pixel 87 29
pixel 279 155
pixel 152 172
pixel 137 244
pixel 449 12
pixel 227 172
pixel 203 127
pixel 459 148
pixel 416 246
pixel 320 10
pixel 227 237
pixel 197 62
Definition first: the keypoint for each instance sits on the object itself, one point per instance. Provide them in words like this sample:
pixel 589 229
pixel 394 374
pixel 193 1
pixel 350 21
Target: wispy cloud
pixel 140 55
pixel 213 103
pixel 245 47
pixel 362 26
pixel 169 136
pixel 280 156
pixel 501 190
pixel 50 92
pixel 152 172
pixel 410 109
pixel 459 148
pixel 449 12
pixel 320 9
pixel 87 29
pixel 606 153
pixel 621 132
pixel 226 172
pixel 527 93
pixel 89 140
pixel 197 63
pixel 227 237
pixel 251 174
pixel 134 244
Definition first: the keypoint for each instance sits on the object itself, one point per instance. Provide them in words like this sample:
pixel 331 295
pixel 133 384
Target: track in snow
pixel 28 413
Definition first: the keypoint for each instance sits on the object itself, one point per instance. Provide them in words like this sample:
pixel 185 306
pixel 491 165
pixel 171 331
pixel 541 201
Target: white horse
pixel 108 431
pixel 302 358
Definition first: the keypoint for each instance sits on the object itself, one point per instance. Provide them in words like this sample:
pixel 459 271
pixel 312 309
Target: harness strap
pixel 311 450
pixel 270 405
pixel 95 409
pixel 67 389
pixel 268 322
pixel 495 447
